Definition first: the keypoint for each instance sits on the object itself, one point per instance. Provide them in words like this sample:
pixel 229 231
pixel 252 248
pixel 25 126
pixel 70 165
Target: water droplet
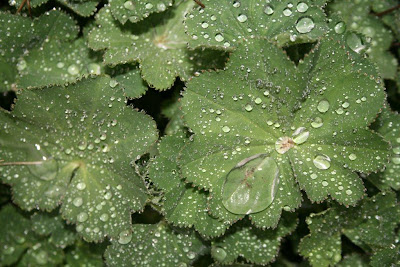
pixel 302 7
pixel 94 68
pixel 323 106
pixel 268 10
pixel 21 65
pixel 300 135
pixel 325 183
pixel 396 160
pixel 148 6
pixel 322 162
pixel 258 101
pixel 349 192
pixel 283 144
pixel 317 122
pixel 81 186
pixel 161 7
pixel 251 185
pixel 219 37
pixel 352 156
pixel 242 18
pixel 60 65
pixel 125 237
pixel 355 43
pixel 77 202
pixel 73 69
pixel 191 255
pixel 104 217
pixel 396 150
pixel 226 129
pixel 218 253
pixel 340 27
pixel 204 25
pixel 248 107
pixel 287 12
pixel 113 83
pixel 345 104
pixel 82 145
pixel 236 4
pixel 129 5
pixel 41 257
pixel 108 195
pixel 305 25
pixel 81 217
pixel 313 176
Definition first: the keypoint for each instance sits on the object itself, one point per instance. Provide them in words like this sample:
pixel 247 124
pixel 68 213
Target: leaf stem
pixel 387 11
pixel 20 163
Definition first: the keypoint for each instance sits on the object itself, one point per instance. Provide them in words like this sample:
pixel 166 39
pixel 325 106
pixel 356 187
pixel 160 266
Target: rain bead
pixel 81 217
pixel 251 185
pixel 219 37
pixel 191 255
pixel 77 202
pixel 204 25
pixel 236 4
pixel 104 217
pixel 129 5
pixel 81 186
pixel 82 145
pixel 352 156
pixel 125 237
pixel 396 160
pixel 248 107
pixel 73 69
pixel 113 83
pixel 340 27
pixel 226 129
pixel 396 150
pixel 313 176
pixel 325 183
pixel 305 25
pixel 355 43
pixel 302 7
pixel 349 192
pixel 345 105
pixel 323 106
pixel 268 10
pixel 283 144
pixel 41 257
pixel 161 7
pixel 218 253
pixel 258 101
pixel 94 68
pixel 242 18
pixel 60 65
pixel 322 162
pixel 300 135
pixel 148 6
pixel 317 122
pixel 21 65
pixel 287 12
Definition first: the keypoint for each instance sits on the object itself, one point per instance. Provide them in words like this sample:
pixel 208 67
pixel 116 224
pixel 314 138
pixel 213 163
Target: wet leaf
pixel 82 8
pixel 372 224
pixel 74 145
pixel 184 206
pixel 134 11
pixel 159 44
pixel 84 254
pixel 128 77
pixel 353 260
pixel 310 119
pixel 154 245
pixel 255 245
pixel 386 257
pixel 225 24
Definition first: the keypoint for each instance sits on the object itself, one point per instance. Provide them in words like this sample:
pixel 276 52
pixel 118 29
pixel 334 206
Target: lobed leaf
pixel 61 145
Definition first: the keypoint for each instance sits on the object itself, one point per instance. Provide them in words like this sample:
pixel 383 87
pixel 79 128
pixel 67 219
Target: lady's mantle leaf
pixel 255 245
pixel 84 254
pixel 388 125
pixel 159 44
pixel 74 145
pixel 373 225
pixel 184 205
pixel 311 119
pixel 134 10
pixel 223 24
pixel 154 245
pixel 82 8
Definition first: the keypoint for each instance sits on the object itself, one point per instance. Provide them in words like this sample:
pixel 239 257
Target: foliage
pixel 199 133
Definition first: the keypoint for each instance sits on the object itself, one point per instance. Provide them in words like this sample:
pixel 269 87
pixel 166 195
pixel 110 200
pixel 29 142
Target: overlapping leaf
pixel 82 8
pixel 372 225
pixel 158 43
pixel 155 245
pixel 255 245
pixel 311 120
pixel 184 205
pixel 84 254
pixel 356 16
pixel 223 24
pixel 134 11
pixel 74 145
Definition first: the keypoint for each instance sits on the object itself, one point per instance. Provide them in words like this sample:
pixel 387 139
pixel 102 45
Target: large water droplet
pixel 81 217
pixel 148 6
pixel 242 18
pixel 251 185
pixel 248 107
pixel 219 37
pixel 129 5
pixel 125 237
pixel 283 144
pixel 218 253
pixel 81 186
pixel 355 42
pixel 73 69
pixel 21 65
pixel 226 129
pixel 94 68
pixel 287 12
pixel 323 106
pixel 300 135
pixel 396 150
pixel 268 10
pixel 352 156
pixel 302 7
pixel 305 25
pixel 104 217
pixel 204 25
pixel 191 255
pixel 340 27
pixel 317 122
pixel 322 162
pixel 77 202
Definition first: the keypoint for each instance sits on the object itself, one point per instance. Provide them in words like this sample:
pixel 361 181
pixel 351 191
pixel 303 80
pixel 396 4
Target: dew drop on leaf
pixel 300 135
pixel 248 107
pixel 355 42
pixel 129 5
pixel 148 6
pixel 73 69
pixel 287 12
pixel 283 144
pixel 82 217
pixel 218 253
pixel 317 122
pixel 322 162
pixel 323 106
pixel 77 202
pixel 352 156
pixel 125 237
pixel 305 25
pixel 219 37
pixel 226 129
pixel 251 185
pixel 340 27
pixel 242 18
pixel 302 7
pixel 268 10
pixel 81 186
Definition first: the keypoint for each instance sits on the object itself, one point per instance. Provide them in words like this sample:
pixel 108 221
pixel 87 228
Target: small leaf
pixel 84 254
pixel 83 8
pixel 128 77
pixel 74 145
pixel 154 245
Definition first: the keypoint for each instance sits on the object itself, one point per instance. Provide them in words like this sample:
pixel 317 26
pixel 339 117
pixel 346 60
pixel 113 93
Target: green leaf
pixel 313 124
pixel 20 34
pixel 57 63
pixel 372 224
pixel 357 17
pixel 388 125
pixel 52 225
pixel 42 253
pixel 74 145
pixel 184 206
pixel 391 19
pixel 159 44
pixel 386 257
pixel 353 260
pixel 225 24
pixel 84 9
pixel 33 3
pixel 134 11
pixel 84 254
pixel 255 245
pixel 154 245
